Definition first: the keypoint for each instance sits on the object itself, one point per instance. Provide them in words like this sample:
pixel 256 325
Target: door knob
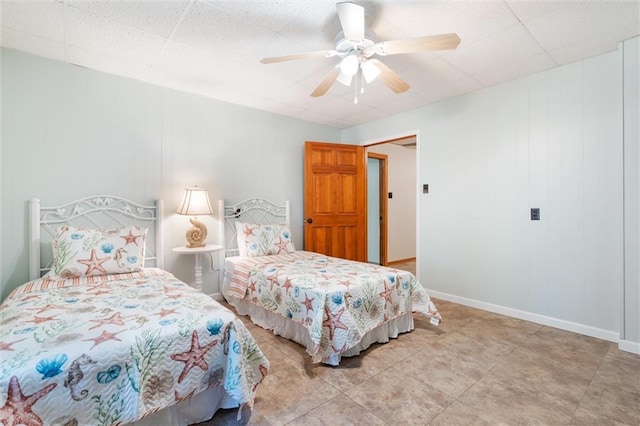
pixel 309 220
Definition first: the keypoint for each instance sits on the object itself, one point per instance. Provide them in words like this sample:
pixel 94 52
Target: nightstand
pixel 198 252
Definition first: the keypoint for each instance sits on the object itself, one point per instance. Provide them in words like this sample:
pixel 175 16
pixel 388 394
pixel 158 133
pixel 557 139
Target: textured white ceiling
pixel 213 48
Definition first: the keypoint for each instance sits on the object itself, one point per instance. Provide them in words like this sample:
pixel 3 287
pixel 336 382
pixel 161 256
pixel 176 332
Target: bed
pixel 333 307
pixel 107 336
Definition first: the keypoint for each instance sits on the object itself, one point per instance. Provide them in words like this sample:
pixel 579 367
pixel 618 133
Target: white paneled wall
pixel 553 141
pixel 632 192
pixel 70 132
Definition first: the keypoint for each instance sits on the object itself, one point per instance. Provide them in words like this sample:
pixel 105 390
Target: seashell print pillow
pixel 263 240
pixel 79 252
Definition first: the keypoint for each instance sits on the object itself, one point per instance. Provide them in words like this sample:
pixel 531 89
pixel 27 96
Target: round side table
pixel 197 252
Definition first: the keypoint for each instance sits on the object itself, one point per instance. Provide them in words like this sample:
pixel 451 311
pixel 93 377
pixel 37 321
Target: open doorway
pixel 392 203
pixel 377 208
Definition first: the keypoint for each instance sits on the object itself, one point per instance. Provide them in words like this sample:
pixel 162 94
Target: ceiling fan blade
pixel 306 55
pixel 326 83
pixel 390 78
pixel 419 44
pixel 352 20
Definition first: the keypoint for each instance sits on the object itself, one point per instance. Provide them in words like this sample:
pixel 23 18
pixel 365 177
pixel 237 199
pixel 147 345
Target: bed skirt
pixel 199 408
pixel 293 331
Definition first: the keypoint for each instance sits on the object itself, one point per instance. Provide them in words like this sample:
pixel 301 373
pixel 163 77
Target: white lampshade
pixel 195 202
pixel 344 78
pixel 349 65
pixel 369 71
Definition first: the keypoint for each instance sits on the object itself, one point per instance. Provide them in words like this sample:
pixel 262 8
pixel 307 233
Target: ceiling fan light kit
pixel 350 64
pixel 344 78
pixel 369 71
pixel 356 46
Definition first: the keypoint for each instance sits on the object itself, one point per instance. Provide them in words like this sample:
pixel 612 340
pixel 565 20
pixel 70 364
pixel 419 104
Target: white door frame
pixel 402 135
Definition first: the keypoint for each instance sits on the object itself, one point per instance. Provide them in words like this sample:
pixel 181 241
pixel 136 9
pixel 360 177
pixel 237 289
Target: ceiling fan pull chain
pixel 355 88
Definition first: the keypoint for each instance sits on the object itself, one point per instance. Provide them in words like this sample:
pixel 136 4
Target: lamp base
pixel 197 234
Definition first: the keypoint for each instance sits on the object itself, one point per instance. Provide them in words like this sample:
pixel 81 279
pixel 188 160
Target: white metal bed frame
pixel 252 210
pixel 96 212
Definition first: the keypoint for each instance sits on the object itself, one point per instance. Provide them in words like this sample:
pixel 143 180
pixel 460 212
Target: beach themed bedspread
pixel 110 351
pixel 336 300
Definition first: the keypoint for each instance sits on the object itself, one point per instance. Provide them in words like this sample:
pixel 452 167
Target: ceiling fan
pixel 356 47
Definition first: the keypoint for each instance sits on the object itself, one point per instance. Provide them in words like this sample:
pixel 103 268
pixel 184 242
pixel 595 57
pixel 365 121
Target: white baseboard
pixel 587 330
pixel 628 346
pixel 623 345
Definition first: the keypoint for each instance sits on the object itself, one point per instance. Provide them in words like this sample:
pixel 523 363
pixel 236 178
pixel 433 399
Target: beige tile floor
pixel 476 368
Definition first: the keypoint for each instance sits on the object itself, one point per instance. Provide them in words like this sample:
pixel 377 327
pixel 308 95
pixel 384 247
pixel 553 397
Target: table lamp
pixel 195 203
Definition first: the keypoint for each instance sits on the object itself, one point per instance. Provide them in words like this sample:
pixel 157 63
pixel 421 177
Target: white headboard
pixel 253 210
pixel 96 212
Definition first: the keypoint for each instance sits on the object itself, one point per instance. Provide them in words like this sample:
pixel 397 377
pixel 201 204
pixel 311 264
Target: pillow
pixel 263 240
pixel 79 252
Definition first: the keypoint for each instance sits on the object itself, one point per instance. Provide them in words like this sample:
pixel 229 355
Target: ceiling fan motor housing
pixel 363 48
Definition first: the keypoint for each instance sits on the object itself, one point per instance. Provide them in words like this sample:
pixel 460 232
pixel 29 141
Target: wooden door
pixel 335 200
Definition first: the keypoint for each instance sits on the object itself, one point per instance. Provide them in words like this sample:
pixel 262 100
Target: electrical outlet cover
pixel 535 214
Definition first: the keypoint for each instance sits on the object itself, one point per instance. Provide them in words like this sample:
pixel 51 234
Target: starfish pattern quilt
pixel 92 351
pixel 337 301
